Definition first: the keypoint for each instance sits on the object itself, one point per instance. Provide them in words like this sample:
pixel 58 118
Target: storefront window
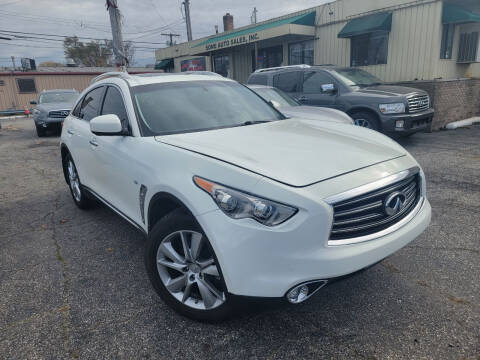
pixel 221 65
pixel 369 49
pixel 268 57
pixel 300 53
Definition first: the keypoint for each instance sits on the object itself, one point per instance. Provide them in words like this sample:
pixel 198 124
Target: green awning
pixel 164 64
pixel 307 19
pixel 454 14
pixel 367 24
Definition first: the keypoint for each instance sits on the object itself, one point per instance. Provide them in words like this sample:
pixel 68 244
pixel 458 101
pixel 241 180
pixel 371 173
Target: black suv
pixel 395 110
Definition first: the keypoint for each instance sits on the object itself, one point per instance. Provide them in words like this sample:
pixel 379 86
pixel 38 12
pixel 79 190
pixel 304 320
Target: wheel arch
pixel 358 109
pixel 161 204
pixel 64 152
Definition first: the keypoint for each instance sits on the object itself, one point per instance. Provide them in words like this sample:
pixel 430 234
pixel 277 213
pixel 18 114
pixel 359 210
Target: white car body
pixel 307 164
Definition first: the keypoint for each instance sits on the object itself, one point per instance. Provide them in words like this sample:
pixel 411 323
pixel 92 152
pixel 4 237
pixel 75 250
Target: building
pixel 18 88
pixel 397 40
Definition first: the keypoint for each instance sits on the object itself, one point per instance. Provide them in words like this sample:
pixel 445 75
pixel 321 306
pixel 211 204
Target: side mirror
pixel 275 104
pixel 329 89
pixel 33 102
pixel 107 125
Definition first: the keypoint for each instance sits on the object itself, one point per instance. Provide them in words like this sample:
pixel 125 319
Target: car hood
pixel 54 106
pixel 390 90
pixel 295 152
pixel 316 113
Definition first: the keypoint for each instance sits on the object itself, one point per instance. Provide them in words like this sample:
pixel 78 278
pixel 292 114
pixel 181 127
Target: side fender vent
pixel 141 198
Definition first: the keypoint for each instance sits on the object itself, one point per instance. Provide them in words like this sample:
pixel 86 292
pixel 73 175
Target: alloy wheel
pixel 74 181
pixel 188 270
pixel 363 123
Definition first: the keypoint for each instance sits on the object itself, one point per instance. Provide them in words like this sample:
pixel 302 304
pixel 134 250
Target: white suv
pixel 234 198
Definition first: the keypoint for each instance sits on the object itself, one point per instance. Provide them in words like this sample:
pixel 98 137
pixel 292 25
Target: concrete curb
pixel 462 123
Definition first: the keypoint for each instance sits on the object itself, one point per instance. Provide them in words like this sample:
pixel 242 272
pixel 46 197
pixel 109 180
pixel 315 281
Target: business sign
pixel 239 40
pixel 196 64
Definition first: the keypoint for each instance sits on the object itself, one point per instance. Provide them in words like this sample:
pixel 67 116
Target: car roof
pixel 279 69
pixel 154 78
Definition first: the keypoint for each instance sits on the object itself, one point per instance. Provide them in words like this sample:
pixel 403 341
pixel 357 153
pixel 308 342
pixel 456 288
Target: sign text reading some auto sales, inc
pixel 244 39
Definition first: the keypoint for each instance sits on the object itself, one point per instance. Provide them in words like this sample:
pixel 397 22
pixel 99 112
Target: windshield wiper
pixel 250 122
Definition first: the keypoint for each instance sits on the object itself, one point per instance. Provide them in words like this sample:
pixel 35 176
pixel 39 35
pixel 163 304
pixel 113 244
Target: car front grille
pixel 372 212
pixel 418 103
pixel 58 114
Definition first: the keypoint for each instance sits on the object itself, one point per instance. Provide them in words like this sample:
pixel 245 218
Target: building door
pixel 221 65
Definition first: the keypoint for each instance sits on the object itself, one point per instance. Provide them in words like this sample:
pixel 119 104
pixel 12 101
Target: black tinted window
pixel 286 81
pixel 91 104
pixel 113 104
pixel 257 79
pixel 76 111
pixel 186 106
pixel 313 81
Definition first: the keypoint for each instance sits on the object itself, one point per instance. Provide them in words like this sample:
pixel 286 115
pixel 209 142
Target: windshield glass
pixel 356 77
pixel 188 106
pixel 60 97
pixel 277 95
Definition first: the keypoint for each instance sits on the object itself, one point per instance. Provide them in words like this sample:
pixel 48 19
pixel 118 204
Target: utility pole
pixel 171 38
pixel 115 23
pixel 186 4
pixel 13 62
pixel 254 15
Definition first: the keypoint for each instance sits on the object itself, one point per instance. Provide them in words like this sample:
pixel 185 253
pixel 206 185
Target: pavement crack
pixel 67 324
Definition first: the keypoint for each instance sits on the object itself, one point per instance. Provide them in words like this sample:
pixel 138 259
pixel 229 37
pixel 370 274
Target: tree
pixel 94 53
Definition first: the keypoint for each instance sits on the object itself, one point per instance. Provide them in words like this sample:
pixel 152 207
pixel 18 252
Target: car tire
pixel 41 131
pixel 207 299
pixel 365 119
pixel 79 195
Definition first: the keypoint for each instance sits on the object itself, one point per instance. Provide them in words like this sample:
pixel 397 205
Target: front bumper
pixel 267 262
pixel 48 121
pixel 415 122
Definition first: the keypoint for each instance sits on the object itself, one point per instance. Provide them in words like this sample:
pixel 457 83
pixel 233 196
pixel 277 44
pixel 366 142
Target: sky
pixel 143 20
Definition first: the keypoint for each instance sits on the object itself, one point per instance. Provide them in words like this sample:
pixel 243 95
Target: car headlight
pixel 36 112
pixel 396 108
pixel 240 205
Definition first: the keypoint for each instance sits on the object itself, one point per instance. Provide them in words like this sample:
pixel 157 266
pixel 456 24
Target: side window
pixel 287 81
pixel 313 81
pixel 76 111
pixel 257 79
pixel 113 104
pixel 91 104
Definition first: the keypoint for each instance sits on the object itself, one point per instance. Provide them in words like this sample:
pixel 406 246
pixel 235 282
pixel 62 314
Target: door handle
pixel 70 131
pixel 93 142
pixel 302 98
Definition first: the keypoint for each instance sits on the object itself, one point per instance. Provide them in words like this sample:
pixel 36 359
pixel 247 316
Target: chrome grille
pixel 367 213
pixel 418 103
pixel 58 114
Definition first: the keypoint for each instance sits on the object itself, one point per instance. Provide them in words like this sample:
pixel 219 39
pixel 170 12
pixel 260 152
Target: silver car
pixel 52 108
pixel 292 108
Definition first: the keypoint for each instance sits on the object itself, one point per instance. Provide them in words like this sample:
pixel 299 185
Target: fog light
pixel 399 124
pixel 298 294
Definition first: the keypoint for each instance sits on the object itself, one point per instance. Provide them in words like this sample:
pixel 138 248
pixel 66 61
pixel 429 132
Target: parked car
pixel 292 108
pixel 234 198
pixel 52 107
pixel 394 110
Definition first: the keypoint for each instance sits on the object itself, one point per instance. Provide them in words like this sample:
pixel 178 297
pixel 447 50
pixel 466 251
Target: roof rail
pixel 301 66
pixel 202 73
pixel 119 74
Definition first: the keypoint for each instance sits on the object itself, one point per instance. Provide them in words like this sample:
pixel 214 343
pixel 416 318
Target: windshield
pixel 277 95
pixel 60 97
pixel 188 106
pixel 356 77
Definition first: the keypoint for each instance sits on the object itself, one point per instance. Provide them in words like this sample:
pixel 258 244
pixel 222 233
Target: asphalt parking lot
pixel 73 284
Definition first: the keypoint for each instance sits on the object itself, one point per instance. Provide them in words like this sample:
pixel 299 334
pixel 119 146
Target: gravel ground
pixel 73 284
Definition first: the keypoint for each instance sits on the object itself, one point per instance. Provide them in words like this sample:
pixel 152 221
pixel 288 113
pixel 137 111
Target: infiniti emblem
pixel 64 113
pixel 394 203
